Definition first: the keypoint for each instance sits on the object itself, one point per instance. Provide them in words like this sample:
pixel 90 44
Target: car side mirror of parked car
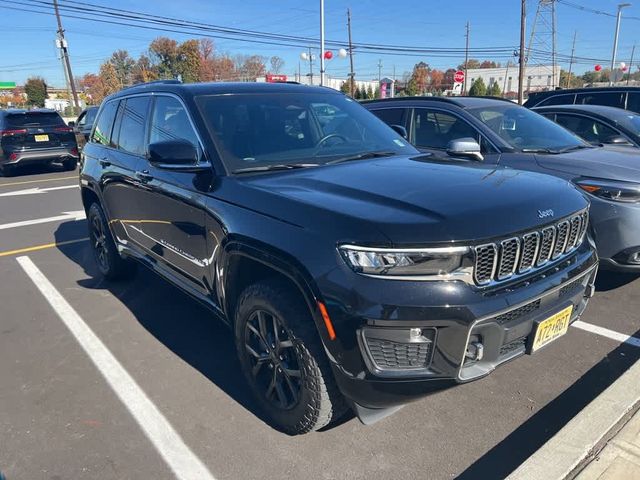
pixel 176 155
pixel 466 148
pixel 616 140
pixel 400 130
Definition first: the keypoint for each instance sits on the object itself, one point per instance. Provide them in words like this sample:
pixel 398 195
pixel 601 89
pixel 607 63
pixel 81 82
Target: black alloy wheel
pixel 274 361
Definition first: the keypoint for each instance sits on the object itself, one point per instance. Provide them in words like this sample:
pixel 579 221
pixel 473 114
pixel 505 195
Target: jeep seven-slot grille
pixel 503 259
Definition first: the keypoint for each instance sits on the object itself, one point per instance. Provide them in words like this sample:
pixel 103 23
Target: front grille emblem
pixel 546 213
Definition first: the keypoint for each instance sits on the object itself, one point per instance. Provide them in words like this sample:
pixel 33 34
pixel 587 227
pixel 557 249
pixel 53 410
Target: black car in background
pixel 83 125
pixel 597 124
pixel 627 98
pixel 35 137
pixel 352 271
pixel 498 132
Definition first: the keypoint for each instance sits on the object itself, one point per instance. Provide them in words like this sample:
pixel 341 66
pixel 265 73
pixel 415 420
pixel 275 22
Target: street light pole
pixel 615 40
pixel 321 42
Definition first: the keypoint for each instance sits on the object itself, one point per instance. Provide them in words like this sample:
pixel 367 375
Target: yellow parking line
pixel 41 247
pixel 37 181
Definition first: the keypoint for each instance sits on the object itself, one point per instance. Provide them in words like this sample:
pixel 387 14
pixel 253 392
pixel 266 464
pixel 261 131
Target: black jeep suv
pixel 352 272
pixel 35 136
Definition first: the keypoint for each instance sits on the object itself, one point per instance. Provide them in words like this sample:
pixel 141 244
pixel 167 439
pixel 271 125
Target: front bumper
pixel 451 314
pixel 615 226
pixel 38 155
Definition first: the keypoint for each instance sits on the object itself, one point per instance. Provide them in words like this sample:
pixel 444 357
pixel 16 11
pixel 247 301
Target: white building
pixel 330 82
pixel 536 77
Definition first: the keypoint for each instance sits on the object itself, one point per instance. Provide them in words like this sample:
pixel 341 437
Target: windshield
pixel 526 130
pixel 262 130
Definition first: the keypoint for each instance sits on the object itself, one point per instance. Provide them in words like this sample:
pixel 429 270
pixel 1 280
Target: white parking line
pixel 605 332
pixel 36 190
pixel 76 215
pixel 182 461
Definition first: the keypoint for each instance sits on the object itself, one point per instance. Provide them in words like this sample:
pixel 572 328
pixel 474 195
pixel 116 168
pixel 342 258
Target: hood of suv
pixel 412 201
pixel 615 163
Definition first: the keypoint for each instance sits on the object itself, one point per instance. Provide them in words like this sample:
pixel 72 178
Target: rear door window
pixel 610 99
pixel 33 119
pixel 104 123
pixel 633 101
pixel 557 100
pixel 133 119
pixel 392 116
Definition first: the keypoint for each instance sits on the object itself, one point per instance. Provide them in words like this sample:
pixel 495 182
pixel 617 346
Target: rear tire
pixel 70 164
pixel 283 359
pixel 111 265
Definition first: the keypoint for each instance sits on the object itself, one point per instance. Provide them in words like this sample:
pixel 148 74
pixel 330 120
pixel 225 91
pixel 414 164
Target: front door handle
pixel 104 162
pixel 144 176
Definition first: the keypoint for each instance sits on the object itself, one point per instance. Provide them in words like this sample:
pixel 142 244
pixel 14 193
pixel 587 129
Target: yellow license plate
pixel 552 328
pixel 41 138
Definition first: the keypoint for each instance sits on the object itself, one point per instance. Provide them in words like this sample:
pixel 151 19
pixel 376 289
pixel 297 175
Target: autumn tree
pixel 144 71
pixel 420 78
pixel 164 55
pixel 250 67
pixel 225 69
pixel 489 64
pixel 123 65
pixel 449 75
pixel 437 79
pixel 471 63
pixel 570 80
pixel 276 64
pixel 478 89
pixel 207 71
pixel 36 90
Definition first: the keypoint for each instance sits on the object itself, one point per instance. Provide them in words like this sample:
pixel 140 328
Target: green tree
pixel 189 61
pixel 370 94
pixel 494 90
pixel 344 88
pixel 478 89
pixel 36 91
pixel 376 93
pixel 412 88
pixel 123 65
pixel 164 55
pixel 570 81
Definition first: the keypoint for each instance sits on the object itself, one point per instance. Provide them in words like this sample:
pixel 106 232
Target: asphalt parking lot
pixel 60 418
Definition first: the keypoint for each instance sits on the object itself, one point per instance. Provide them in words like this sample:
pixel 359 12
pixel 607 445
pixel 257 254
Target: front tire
pixel 283 359
pixel 69 164
pixel 111 265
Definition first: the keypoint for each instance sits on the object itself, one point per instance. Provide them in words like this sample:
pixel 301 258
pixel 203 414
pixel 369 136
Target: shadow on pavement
pixel 506 456
pixel 186 327
pixel 34 169
pixel 607 280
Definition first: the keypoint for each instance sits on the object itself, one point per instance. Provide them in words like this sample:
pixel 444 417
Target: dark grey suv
pixel 499 132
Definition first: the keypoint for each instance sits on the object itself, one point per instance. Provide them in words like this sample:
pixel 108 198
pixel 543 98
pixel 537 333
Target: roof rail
pixel 414 97
pixel 155 82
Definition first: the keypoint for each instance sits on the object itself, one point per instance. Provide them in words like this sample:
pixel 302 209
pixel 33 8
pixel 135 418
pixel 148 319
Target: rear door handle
pixel 144 176
pixel 104 162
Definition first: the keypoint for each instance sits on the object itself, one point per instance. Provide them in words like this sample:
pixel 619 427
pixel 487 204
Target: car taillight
pixel 74 151
pixel 17 131
pixel 63 129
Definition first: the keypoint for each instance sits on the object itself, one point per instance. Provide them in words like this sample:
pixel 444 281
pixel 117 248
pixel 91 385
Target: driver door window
pixel 171 122
pixel 589 129
pixel 435 129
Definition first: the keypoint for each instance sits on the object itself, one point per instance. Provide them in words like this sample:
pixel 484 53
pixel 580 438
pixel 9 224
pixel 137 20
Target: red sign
pixel 458 77
pixel 276 78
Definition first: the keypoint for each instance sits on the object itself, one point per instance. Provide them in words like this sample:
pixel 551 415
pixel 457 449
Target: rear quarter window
pixel 33 119
pixel 557 100
pixel 391 116
pixel 633 102
pixel 609 99
pixel 104 123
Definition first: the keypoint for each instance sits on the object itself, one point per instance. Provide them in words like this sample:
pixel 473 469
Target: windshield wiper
pixel 573 147
pixel 271 168
pixel 537 150
pixel 362 156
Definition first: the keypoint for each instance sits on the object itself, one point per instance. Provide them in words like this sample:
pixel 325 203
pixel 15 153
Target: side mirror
pixel 616 140
pixel 465 147
pixel 400 130
pixel 176 155
pixel 71 124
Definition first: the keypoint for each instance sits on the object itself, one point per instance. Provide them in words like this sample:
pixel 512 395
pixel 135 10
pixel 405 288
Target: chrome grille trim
pixel 509 256
pixel 504 259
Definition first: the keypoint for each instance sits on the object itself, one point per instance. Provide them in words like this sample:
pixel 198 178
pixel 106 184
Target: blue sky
pixel 429 23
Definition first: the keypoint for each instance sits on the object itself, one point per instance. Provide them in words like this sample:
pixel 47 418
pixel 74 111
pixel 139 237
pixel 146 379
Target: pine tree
pixel 478 89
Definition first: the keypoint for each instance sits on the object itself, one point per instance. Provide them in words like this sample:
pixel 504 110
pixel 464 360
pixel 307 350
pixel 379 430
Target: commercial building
pixel 536 77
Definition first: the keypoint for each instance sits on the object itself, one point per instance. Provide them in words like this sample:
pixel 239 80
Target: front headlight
pixel 410 262
pixel 615 190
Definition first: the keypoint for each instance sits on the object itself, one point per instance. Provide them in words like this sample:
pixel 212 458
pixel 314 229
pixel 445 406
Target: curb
pixel 586 434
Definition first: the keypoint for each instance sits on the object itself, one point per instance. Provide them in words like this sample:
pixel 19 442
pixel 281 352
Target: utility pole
pixel 379 70
pixel 522 64
pixel 310 67
pixel 615 40
pixel 573 49
pixel 633 50
pixel 466 59
pixel 351 74
pixel 65 56
pixel 321 42
pixel 393 85
pixel 553 45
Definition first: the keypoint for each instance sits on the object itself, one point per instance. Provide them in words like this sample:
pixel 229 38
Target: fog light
pixel 475 349
pixel 415 333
